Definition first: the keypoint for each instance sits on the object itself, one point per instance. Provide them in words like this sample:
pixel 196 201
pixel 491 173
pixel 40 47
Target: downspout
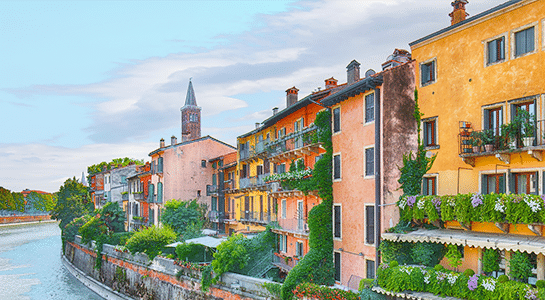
pixel 378 186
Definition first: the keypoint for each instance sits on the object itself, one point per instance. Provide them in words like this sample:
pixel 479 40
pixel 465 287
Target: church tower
pixel 191 116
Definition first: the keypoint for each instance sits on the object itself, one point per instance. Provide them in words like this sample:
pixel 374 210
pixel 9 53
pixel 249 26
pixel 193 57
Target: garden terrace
pixel 474 144
pixel 283 262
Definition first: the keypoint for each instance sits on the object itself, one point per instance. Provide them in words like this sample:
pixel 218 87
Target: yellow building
pixel 479 80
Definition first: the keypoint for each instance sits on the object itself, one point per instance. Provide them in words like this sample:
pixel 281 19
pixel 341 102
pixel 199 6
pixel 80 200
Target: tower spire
pixel 191 116
pixel 190 99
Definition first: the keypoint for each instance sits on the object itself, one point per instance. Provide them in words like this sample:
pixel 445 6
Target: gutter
pixel 378 186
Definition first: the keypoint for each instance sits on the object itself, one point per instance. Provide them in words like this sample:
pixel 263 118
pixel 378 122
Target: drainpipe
pixel 378 186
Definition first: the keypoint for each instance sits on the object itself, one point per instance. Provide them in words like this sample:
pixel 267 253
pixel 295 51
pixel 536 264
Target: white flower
pixel 427 279
pixel 402 203
pixel 452 278
pixel 489 284
pixel 499 207
pixel 532 203
pixel 407 270
pixel 421 203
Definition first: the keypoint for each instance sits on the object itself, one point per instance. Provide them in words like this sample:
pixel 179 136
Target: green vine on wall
pixel 317 265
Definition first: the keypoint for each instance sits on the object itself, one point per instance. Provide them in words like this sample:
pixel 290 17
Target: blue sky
pixel 87 81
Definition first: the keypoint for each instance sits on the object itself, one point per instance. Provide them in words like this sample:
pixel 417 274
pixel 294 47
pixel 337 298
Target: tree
pixel 6 199
pixel 72 202
pixel 151 240
pixel 184 217
pixel 97 168
pixel 230 254
pixel 41 202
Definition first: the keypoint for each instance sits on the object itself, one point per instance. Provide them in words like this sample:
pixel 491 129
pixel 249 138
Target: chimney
pixel 291 96
pixel 173 140
pixel 257 125
pixel 459 13
pixel 353 72
pixel 400 56
pixel 330 83
pixel 162 143
pixel 275 111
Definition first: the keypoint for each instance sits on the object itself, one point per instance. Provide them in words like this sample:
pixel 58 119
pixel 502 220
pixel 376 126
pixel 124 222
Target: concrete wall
pixel 137 277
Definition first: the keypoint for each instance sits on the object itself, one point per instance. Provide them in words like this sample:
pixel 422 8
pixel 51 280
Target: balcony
pixel 284 262
pixel 254 182
pixel 257 217
pixel 211 189
pixel 138 196
pixel 230 217
pixel 229 185
pixel 295 226
pixel 479 143
pixel 216 216
pixel 293 145
pixel 125 196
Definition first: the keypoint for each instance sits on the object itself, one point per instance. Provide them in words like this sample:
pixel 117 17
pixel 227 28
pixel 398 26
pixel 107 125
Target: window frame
pixel 365 108
pixel 506 56
pixel 514 42
pixel 365 166
pixel 433 62
pixel 299 248
pixel 366 237
pixel 335 264
pixel 284 211
pixel 340 222
pixel 333 129
pixel 485 110
pixel 424 182
pixel 435 122
pixel 339 178
pixel 367 263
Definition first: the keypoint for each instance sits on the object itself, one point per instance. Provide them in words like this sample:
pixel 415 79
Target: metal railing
pixel 211 189
pixel 125 197
pixel 298 225
pixel 216 216
pixel 287 262
pixel 230 215
pixel 257 216
pixel 229 185
pixel 292 141
pixel 138 196
pixel 254 181
pixel 500 141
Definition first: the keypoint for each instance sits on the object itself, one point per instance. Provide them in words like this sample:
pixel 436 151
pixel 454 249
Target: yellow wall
pixel 464 85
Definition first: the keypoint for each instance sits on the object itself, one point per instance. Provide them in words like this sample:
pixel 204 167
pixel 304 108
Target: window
pixel 523 183
pixel 493 119
pixel 284 208
pixel 198 193
pixel 214 180
pixel 336 119
pixel 337 166
pixel 337 221
pixel 496 50
pixel 214 206
pixel 281 169
pixel 430 132
pixel 299 252
pixel 370 162
pixel 493 183
pixel 283 243
pixel 524 41
pixel 429 186
pixel 369 108
pixel 337 262
pixel 259 170
pixel 370 266
pixel 369 224
pixel 244 171
pixel 203 163
pixel 427 72
pixel 281 133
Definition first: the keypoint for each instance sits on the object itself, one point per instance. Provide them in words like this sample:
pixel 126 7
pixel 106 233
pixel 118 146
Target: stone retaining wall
pixel 137 277
pixel 21 219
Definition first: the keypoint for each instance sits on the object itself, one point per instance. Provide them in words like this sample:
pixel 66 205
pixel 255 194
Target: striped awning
pixel 508 242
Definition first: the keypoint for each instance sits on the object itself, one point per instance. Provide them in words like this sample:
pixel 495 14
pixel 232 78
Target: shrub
pixel 192 252
pixel 438 267
pixel 540 284
pixel 469 272
pixel 365 283
pixel 72 229
pixel 453 256
pixel 394 263
pixel 92 230
pixel 274 289
pixel 313 291
pixel 520 266
pixel 151 240
pixel 503 278
pixel 230 254
pixel 491 260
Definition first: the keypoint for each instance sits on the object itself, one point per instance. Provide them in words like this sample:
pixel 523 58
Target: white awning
pixel 509 242
pixel 206 241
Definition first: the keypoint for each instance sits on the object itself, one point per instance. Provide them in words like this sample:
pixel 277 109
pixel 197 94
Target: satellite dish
pixel 369 73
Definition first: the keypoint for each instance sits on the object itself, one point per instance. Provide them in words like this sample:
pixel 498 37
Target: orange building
pixel 138 205
pixel 380 103
pixel 223 169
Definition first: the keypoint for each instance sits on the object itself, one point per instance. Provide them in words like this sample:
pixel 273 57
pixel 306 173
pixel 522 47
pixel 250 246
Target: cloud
pixel 42 167
pixel 303 46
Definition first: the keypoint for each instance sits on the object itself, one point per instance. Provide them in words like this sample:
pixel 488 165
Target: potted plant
pixel 488 139
pixel 528 127
pixel 476 141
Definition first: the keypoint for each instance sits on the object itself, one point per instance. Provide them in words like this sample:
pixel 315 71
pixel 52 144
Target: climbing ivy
pixel 317 265
pixel 415 166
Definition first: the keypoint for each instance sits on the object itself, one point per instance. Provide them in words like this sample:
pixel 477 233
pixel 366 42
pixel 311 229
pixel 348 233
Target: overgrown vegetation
pixel 314 291
pixel 186 218
pixel 73 201
pixel 151 240
pixel 97 168
pixel 34 201
pixel 317 265
pixel 427 254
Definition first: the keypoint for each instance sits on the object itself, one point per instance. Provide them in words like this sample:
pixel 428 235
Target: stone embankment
pixel 126 276
pixel 23 219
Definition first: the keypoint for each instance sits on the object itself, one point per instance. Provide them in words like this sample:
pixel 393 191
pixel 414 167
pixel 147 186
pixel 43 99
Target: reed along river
pixel 31 267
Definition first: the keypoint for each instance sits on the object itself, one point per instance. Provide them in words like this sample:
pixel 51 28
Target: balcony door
pixel 300 215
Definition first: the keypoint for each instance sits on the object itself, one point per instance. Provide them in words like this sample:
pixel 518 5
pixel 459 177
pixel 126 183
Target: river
pixel 31 267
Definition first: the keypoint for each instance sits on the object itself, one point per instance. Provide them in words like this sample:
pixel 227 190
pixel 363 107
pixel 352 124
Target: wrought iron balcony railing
pixel 292 141
pixel 256 216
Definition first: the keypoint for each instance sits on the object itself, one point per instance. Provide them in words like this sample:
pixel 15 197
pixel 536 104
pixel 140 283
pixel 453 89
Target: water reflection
pixel 31 267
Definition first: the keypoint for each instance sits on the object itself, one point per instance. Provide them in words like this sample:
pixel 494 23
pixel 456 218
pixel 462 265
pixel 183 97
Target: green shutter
pixel 160 165
pixel 151 192
pixel 159 192
pixel 484 184
pixel 536 183
pixel 512 182
pixel 502 188
pixel 424 186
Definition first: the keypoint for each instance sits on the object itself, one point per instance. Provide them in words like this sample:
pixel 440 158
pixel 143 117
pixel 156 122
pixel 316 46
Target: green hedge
pixel 464 208
pixel 452 284
pixel 313 291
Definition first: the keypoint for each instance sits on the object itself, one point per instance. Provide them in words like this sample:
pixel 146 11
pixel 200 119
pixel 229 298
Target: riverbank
pixel 137 277
pixel 23 219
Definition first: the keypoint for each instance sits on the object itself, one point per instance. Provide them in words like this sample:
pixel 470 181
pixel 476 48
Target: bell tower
pixel 191 116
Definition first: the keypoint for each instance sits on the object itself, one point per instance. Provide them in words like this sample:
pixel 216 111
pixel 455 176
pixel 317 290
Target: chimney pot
pixel 162 143
pixel 352 72
pixel 291 96
pixel 330 83
pixel 459 13
pixel 257 125
pixel 275 111
pixel 173 140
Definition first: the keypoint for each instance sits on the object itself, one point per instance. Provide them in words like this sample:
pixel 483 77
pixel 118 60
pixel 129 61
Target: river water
pixel 31 267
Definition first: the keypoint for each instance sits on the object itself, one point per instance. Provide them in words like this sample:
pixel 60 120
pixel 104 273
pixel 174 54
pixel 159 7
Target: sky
pixel 87 81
